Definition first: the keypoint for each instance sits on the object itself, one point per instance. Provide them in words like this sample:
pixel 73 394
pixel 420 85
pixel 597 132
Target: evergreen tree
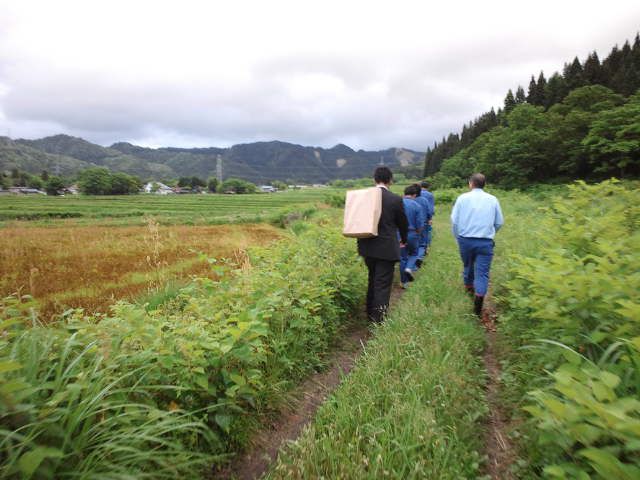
pixel 572 74
pixel 465 135
pixel 625 80
pixel 541 87
pixel 555 90
pixel 634 63
pixel 592 71
pixel 532 96
pixel 492 118
pixel 509 102
pixel 610 67
pixel 520 96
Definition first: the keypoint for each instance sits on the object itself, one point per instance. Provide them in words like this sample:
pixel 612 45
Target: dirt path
pixel 254 462
pixel 499 448
pixel 264 446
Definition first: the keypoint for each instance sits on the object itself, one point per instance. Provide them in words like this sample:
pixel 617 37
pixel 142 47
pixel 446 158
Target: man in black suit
pixel 382 252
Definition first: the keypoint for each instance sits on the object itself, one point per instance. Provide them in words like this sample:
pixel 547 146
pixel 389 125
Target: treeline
pixel 102 181
pixel 594 133
pixel 619 72
pixel 51 184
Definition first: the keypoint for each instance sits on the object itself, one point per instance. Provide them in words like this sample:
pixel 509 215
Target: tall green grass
pixel 74 413
pixel 413 406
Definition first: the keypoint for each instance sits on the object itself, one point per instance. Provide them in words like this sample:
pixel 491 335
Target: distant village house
pixel 158 188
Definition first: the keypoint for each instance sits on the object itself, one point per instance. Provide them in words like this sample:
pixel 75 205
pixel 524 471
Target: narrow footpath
pixel 498 446
pixel 263 448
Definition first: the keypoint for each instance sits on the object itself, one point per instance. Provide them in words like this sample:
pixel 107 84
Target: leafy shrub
pixel 286 217
pixel 335 199
pixel 236 185
pixel 593 414
pixel 446 196
pixel 580 290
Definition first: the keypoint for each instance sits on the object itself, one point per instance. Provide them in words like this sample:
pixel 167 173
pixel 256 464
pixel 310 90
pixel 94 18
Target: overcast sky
pixel 215 73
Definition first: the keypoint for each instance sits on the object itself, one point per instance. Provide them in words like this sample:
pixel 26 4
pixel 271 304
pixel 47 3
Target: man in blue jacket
pixel 416 219
pixel 475 219
pixel 425 238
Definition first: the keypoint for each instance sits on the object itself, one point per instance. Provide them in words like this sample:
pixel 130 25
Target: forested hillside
pixel 257 162
pixel 583 123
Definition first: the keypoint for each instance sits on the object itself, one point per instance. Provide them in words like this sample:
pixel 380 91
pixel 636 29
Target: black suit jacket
pixel 385 246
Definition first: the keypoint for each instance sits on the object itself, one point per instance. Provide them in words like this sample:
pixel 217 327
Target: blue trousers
pixel 476 254
pixel 409 255
pixel 425 241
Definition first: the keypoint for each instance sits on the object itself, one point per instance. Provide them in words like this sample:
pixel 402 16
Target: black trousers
pixel 379 289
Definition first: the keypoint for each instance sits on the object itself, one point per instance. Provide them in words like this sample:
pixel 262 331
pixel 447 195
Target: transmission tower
pixel 219 168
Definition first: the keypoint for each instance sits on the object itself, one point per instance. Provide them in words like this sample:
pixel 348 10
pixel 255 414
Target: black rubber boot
pixel 477 305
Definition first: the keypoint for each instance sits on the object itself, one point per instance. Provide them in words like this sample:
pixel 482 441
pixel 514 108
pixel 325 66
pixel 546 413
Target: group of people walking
pixel 404 236
pixel 419 208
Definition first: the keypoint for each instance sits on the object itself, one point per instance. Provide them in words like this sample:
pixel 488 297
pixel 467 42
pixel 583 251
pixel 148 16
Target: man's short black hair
pixel 425 184
pixel 383 175
pixel 412 190
pixel 477 180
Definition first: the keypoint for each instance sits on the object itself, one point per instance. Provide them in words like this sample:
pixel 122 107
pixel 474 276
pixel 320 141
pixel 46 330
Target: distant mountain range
pixel 258 162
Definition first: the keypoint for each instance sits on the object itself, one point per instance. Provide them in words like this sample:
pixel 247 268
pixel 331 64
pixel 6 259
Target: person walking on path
pixel 425 239
pixel 425 205
pixel 416 218
pixel 475 219
pixel 382 252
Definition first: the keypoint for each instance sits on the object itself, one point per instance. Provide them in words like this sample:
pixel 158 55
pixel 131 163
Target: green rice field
pixel 174 209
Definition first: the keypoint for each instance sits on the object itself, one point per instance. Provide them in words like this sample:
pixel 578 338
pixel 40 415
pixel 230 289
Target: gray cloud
pixel 408 95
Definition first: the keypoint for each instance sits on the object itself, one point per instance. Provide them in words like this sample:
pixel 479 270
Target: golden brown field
pixel 91 267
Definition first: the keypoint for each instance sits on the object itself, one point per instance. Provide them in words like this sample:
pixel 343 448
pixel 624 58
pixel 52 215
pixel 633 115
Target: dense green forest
pixel 583 123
